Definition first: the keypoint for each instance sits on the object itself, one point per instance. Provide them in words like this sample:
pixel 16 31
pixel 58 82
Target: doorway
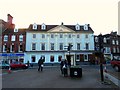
pixel 72 60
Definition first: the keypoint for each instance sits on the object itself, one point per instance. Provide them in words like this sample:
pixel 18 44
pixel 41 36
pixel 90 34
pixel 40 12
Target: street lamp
pixel 68 49
pixel 69 59
pixel 101 56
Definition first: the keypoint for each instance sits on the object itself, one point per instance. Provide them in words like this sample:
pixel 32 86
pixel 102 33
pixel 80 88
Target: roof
pixel 9 31
pixel 48 27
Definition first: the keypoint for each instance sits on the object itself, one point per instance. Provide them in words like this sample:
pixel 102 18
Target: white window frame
pixel 113 42
pixel 114 50
pixel 78 59
pixel 52 35
pixel 96 39
pixel 33 48
pixel 43 26
pixel 77 27
pixel 105 40
pixel 86 58
pixel 78 35
pixel 117 43
pixel 21 38
pixel 52 46
pixel 13 38
pixel 34 36
pixel 42 44
pixel 79 46
pixel 35 26
pixel 5 37
pixel 20 48
pixel 60 46
pixel 61 35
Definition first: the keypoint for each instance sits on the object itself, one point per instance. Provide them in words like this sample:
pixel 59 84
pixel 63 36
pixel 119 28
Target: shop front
pixel 10 57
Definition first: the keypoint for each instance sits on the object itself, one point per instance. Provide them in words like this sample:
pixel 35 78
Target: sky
pixel 102 15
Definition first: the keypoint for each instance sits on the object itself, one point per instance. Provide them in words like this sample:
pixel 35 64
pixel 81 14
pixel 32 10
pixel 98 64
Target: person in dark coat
pixel 40 64
pixel 63 66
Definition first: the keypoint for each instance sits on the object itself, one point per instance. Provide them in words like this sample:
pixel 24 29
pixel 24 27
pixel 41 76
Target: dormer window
pixel 35 26
pixel 43 26
pixel 77 27
pixel 86 27
pixel 15 30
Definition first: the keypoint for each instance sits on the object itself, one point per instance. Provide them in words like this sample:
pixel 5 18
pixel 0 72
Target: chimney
pixel 9 20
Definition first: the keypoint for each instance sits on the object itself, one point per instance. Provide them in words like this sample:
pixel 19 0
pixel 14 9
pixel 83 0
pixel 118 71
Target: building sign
pixel 12 54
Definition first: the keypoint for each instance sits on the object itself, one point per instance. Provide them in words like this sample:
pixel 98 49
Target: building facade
pixel 4 25
pixel 111 45
pixel 13 44
pixel 50 42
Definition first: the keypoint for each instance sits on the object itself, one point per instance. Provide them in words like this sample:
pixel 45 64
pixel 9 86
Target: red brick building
pixel 13 44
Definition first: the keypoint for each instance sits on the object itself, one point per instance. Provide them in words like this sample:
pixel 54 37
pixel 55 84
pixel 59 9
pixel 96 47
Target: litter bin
pixel 75 72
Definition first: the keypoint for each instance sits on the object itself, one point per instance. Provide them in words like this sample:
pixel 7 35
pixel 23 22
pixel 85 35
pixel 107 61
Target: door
pixel 72 61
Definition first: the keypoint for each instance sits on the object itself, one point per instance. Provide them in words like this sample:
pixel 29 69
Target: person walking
pixel 63 67
pixel 40 64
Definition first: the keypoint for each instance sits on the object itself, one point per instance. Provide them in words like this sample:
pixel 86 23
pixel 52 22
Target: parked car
pixel 4 65
pixel 116 64
pixel 18 65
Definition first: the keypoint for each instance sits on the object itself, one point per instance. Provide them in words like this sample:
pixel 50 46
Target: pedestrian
pixel 40 64
pixel 63 67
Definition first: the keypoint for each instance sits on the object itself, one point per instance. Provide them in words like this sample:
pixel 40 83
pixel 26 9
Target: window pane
pixel 21 38
pixel 33 46
pixel 13 38
pixel 51 58
pixel 59 58
pixel 61 46
pixel 69 36
pixel 61 36
pixel 33 58
pixel 5 38
pixel 34 35
pixel 13 48
pixel 87 46
pixel 43 35
pixel 43 46
pixel 78 36
pixel 52 35
pixel 86 36
pixel 21 47
pixel 52 46
pixel 77 57
pixel 78 46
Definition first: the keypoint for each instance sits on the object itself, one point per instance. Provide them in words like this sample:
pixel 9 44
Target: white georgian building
pixel 49 41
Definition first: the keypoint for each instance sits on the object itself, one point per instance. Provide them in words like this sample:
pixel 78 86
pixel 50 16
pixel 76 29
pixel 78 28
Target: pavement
pixel 52 78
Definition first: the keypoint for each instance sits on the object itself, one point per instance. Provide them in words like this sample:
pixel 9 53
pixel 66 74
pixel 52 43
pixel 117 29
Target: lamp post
pixel 69 59
pixel 101 56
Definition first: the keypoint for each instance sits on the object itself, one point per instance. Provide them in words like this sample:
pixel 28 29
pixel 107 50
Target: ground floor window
pixel 59 58
pixel 77 57
pixel 85 57
pixel 33 58
pixel 43 57
pixel 51 58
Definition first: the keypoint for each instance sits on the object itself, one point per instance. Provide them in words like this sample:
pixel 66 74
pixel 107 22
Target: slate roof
pixel 48 27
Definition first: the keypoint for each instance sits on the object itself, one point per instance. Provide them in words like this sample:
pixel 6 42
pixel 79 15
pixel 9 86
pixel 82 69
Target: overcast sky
pixel 102 15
